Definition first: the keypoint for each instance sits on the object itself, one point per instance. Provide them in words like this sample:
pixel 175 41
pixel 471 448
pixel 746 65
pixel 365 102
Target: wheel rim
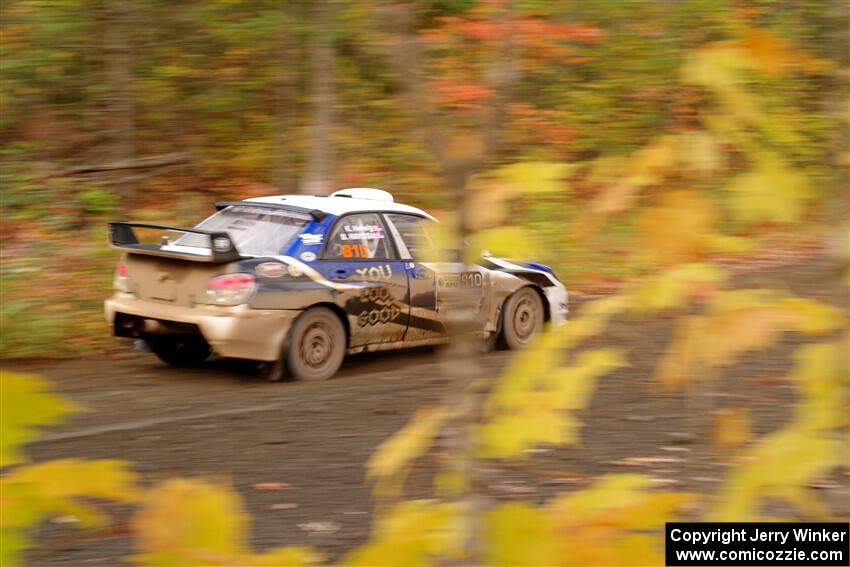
pixel 525 319
pixel 317 345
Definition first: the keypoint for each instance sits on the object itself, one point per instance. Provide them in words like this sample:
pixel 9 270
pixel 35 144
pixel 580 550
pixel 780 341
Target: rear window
pixel 255 231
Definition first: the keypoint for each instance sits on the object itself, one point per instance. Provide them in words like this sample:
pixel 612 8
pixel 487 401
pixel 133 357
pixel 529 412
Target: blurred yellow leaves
pixel 818 375
pixel 779 466
pixel 392 458
pixel 645 168
pixel 776 57
pixel 675 287
pixel 189 522
pixel 26 405
pixel 33 493
pixel 490 197
pixel 518 533
pixel 508 241
pixel 771 191
pixel 532 177
pixel 195 522
pixel 530 406
pixel 731 428
pixel 677 229
pixel 413 533
pixel 736 322
pixel 615 521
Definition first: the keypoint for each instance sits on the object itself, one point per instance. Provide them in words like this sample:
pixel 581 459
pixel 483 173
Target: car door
pixel 360 252
pixel 416 246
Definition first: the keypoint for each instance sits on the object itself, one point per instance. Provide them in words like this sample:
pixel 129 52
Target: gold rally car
pixel 297 282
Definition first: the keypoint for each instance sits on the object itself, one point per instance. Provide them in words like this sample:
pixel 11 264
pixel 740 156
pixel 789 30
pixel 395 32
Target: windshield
pixel 255 231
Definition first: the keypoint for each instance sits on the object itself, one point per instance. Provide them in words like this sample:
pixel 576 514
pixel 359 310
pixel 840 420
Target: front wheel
pixel 316 345
pixel 179 350
pixel 522 318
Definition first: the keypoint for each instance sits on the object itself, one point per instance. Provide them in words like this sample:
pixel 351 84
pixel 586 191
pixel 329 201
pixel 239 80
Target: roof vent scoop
pixel 364 193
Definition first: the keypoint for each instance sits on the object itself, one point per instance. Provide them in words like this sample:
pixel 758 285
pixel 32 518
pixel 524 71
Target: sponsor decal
pixel 384 272
pixel 308 256
pixel 383 307
pixel 271 269
pixel 465 279
pixel 361 232
pixel 354 251
pixel 311 239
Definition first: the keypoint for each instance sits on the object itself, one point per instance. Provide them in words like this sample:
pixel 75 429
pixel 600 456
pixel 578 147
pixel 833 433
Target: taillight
pixel 230 289
pixel 121 282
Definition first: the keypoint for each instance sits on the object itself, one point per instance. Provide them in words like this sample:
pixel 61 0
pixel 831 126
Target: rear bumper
pixel 232 332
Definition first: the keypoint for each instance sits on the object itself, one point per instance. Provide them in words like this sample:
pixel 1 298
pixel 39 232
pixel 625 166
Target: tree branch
pixel 138 163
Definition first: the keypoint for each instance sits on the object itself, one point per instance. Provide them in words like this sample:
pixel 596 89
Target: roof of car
pixel 339 205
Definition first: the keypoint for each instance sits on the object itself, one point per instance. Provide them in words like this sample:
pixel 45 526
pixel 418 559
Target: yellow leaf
pixel 490 194
pixel 771 191
pixel 26 405
pixel 191 522
pixel 678 229
pixel 813 317
pixel 607 493
pixel 509 435
pixel 450 483
pixel 198 523
pixel 778 467
pixel 731 428
pixel 292 556
pixel 701 152
pixel 411 534
pixel 718 67
pixel 818 375
pixel 573 387
pixel 730 244
pixel 771 54
pixel 596 525
pixel 684 351
pixel 508 241
pixel 517 534
pixel 397 452
pixel 536 176
pixel 70 478
pixel 674 287
pixel 30 494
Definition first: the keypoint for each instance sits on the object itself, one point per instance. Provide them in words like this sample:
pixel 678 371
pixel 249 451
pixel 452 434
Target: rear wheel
pixel 522 318
pixel 179 350
pixel 316 345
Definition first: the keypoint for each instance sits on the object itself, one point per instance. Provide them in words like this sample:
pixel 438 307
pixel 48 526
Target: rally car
pixel 297 282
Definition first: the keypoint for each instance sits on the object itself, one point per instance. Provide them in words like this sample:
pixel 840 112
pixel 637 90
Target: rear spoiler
pixel 123 237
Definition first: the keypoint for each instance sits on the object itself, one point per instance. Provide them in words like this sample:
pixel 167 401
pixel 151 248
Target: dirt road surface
pixel 221 421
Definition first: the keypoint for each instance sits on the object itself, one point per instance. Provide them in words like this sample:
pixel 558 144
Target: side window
pixel 358 237
pixel 413 232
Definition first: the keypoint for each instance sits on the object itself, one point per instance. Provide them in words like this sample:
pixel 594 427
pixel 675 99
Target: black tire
pixel 522 318
pixel 273 370
pixel 179 350
pixel 316 345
